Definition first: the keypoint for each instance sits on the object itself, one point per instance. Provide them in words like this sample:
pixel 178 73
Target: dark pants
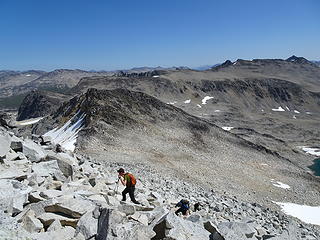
pixel 182 210
pixel 129 190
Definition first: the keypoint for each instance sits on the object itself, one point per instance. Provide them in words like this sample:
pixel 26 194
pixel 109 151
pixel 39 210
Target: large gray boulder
pixel 87 225
pixel 12 155
pixel 5 142
pixel 31 223
pixel 127 209
pixel 33 151
pixel 12 173
pixel 11 229
pixel 13 196
pixel 65 233
pixel 65 162
pixel 70 206
pixel 45 169
pixel 48 218
pixel 236 230
pixel 179 229
pixel 16 146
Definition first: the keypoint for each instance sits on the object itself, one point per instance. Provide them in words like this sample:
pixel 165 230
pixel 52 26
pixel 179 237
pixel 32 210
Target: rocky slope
pixel 132 127
pixel 50 195
pixel 263 100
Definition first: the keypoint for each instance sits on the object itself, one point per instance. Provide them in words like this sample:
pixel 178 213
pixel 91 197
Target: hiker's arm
pixel 123 181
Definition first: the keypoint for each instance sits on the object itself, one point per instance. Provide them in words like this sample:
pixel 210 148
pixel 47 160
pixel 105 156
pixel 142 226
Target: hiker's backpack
pixel 184 203
pixel 133 180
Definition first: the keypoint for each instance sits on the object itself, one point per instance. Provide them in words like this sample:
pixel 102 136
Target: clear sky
pixel 118 34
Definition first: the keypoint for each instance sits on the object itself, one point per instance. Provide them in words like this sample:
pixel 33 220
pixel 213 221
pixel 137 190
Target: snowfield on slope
pixel 67 135
pixel 307 214
pixel 311 150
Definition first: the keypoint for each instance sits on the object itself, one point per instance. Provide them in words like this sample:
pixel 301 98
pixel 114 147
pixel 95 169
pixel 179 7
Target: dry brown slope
pixel 132 127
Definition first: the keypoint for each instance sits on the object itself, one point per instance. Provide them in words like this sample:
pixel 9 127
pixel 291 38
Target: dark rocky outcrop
pixel 38 104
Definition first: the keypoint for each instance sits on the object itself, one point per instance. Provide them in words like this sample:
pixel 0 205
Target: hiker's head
pixel 121 171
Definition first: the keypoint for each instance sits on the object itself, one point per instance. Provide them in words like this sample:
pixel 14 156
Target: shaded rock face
pixel 38 104
pixel 121 108
pixel 257 91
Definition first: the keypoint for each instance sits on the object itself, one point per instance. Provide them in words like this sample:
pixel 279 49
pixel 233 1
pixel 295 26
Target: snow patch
pixel 205 99
pixel 309 113
pixel 217 110
pixel 287 108
pixel 67 135
pixel 294 117
pixel 311 151
pixel 155 76
pixel 171 103
pixel 199 105
pixel 279 109
pixel 295 111
pixel 29 121
pixel 187 101
pixel 280 184
pixel 227 128
pixel 28 75
pixel 307 214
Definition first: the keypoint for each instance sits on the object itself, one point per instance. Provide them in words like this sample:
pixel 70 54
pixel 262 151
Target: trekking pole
pixel 117 186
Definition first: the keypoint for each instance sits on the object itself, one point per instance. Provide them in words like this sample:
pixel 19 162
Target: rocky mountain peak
pixel 296 59
pixel 227 63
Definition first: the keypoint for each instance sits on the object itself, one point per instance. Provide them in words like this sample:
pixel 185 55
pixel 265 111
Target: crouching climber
pixel 128 180
pixel 183 207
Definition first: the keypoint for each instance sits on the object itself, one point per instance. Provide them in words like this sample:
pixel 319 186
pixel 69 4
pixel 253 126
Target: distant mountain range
pixel 14 85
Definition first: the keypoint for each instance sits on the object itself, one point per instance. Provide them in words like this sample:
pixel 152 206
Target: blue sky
pixel 115 34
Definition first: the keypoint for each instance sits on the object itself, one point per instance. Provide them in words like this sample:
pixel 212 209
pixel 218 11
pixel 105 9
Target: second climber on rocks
pixel 128 180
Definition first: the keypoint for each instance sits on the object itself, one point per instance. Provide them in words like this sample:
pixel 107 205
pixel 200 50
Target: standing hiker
pixel 128 180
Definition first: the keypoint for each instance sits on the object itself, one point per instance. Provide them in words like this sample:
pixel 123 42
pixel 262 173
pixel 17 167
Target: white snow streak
pixel 287 108
pixel 296 111
pixel 217 110
pixel 294 117
pixel 67 135
pixel 28 75
pixel 279 109
pixel 280 185
pixel 156 76
pixel 227 128
pixel 187 101
pixel 29 121
pixel 307 214
pixel 172 103
pixel 308 113
pixel 199 105
pixel 311 151
pixel 205 99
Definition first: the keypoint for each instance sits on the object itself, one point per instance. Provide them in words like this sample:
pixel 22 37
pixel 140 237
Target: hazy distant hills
pixel 162 82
